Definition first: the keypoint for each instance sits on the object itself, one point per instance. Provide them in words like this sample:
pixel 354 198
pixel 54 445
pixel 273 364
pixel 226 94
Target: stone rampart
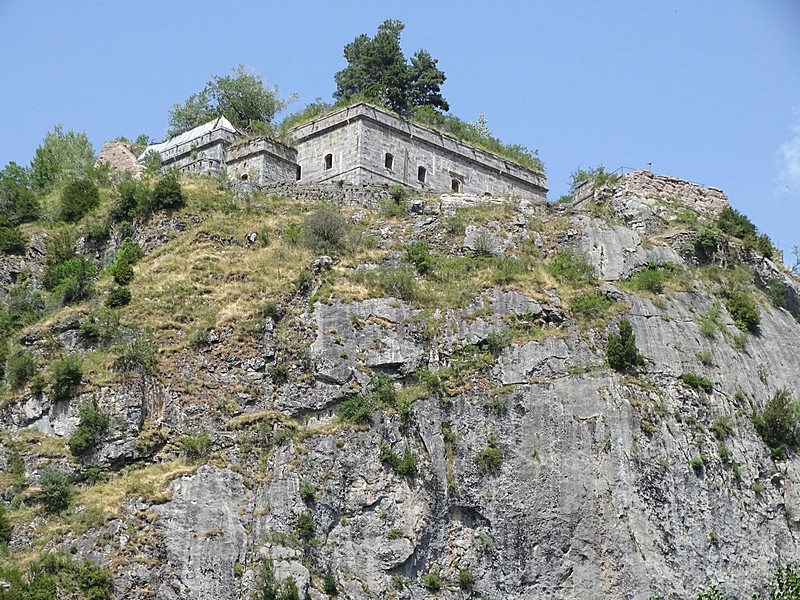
pixel 708 201
pixel 262 161
pixel 365 144
pixel 340 194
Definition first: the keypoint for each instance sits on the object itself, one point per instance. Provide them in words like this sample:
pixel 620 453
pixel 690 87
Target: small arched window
pixel 422 173
pixel 244 176
pixel 328 161
pixel 388 161
pixel 299 173
pixel 455 185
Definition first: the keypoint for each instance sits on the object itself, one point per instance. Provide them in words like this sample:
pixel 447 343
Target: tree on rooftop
pixel 378 71
pixel 241 98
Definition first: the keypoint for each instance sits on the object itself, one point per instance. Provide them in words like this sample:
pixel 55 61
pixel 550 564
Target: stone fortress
pixel 360 144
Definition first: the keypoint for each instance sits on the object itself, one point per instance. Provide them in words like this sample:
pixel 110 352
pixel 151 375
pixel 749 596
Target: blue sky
pixel 707 91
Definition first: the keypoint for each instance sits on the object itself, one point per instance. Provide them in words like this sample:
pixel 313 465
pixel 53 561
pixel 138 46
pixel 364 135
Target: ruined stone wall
pixel 708 201
pixel 262 161
pixel 118 156
pixel 359 138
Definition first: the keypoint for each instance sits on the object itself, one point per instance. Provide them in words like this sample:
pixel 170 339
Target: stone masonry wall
pixel 359 137
pixel 708 201
pixel 119 157
pixel 263 161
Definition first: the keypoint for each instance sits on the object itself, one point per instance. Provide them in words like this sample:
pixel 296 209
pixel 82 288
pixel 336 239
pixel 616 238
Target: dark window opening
pixel 328 161
pixel 244 176
pixel 455 185
pixel 421 174
pixel 298 173
pixel 388 161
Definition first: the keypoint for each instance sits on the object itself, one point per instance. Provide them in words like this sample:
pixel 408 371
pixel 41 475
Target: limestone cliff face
pixel 539 473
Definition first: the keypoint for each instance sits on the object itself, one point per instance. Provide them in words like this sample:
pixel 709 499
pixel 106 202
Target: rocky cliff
pixel 414 402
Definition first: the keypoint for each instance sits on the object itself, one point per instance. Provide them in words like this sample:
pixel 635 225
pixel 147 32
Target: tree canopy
pixel 61 156
pixel 378 71
pixel 241 98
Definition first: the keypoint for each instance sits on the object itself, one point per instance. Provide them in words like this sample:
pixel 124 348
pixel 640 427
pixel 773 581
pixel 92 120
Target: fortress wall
pixel 708 201
pixel 341 141
pixel 263 161
pixel 367 132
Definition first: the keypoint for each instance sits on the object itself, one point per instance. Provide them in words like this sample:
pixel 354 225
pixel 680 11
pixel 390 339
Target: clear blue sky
pixel 707 91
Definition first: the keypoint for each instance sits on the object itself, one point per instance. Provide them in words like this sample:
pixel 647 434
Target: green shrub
pixel 133 199
pixel 6 529
pixel 398 282
pixel 140 352
pixel 130 252
pixel 743 311
pixel 122 272
pixel 66 375
pixel 466 580
pixel 621 351
pixel 325 230
pixel 759 243
pixel 722 427
pixel 497 341
pixel 590 307
pixel 356 410
pixel 383 389
pixel 697 382
pixel 329 584
pixel 196 446
pixel 569 267
pixel 77 199
pixel 272 310
pixel 71 280
pixel 167 194
pixel 776 424
pixel 117 297
pixel 305 526
pixel 293 233
pixel 734 223
pixel 778 293
pixel 650 279
pixel 20 367
pixel 56 489
pixel 418 254
pixel 12 241
pixel 698 465
pixel 405 465
pixel 307 492
pixel 705 244
pixel 432 581
pixel 92 426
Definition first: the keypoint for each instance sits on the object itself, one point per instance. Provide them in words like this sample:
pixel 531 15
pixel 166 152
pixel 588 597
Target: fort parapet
pixel 360 144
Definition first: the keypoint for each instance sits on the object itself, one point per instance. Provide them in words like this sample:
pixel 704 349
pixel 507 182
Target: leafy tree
pixel 242 99
pixel 61 156
pixel 18 203
pixel 378 71
pixel 621 351
pixel 734 223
